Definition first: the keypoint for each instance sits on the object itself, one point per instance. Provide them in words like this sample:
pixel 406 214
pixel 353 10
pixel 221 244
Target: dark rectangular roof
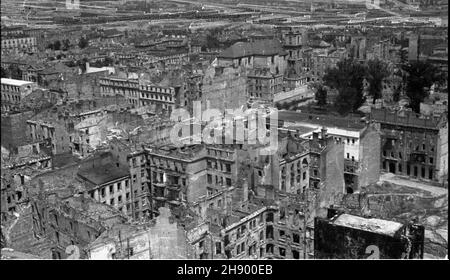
pixel 256 48
pixel 102 174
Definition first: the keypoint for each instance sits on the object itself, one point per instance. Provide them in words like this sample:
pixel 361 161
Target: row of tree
pixel 65 44
pixel 347 78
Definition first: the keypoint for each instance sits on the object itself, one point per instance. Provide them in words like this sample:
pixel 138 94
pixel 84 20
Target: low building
pixel 344 236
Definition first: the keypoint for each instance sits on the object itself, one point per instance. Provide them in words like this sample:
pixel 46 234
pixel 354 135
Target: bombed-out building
pixel 344 236
pixel 413 145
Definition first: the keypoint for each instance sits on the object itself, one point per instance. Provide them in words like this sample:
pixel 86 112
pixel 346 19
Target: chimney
pixel 315 135
pixel 323 132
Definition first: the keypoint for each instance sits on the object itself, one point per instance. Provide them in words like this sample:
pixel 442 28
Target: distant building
pixel 139 94
pixel 18 44
pixel 261 53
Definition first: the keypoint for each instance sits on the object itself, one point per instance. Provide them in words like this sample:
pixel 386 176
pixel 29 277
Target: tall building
pixel 14 91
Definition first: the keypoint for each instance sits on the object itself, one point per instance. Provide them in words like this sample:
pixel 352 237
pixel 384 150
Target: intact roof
pixel 15 82
pixel 256 48
pixel 349 123
pixel 56 69
pixel 379 226
pixel 99 175
pixel 301 129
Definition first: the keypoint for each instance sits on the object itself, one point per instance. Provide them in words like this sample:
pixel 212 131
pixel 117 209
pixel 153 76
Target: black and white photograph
pixel 222 136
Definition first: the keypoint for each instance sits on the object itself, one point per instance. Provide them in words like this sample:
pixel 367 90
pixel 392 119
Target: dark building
pixel 344 236
pixel 12 132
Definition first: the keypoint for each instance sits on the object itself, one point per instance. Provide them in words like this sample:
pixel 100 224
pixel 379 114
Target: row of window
pixel 11 98
pixel 10 88
pixel 394 168
pixel 156 89
pixel 219 153
pixel 400 156
pixel 214 165
pixel 342 139
pixel 157 97
pixel 219 180
pixel 163 163
pixel 17 41
pixel 110 188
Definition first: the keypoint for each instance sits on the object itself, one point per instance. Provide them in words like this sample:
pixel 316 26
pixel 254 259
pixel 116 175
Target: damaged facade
pixel 345 236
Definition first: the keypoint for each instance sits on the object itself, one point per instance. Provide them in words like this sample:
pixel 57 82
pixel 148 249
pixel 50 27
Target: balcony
pixel 417 157
pixel 351 166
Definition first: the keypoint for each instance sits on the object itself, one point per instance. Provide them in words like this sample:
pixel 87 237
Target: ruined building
pixel 360 142
pixel 161 238
pixel 344 236
pixel 413 145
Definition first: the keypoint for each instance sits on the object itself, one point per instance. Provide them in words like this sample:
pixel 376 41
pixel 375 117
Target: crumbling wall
pixel 227 89
pixel 167 240
pixel 369 169
pixel 13 133
pixel 338 242
pixel 332 174
pixel 442 153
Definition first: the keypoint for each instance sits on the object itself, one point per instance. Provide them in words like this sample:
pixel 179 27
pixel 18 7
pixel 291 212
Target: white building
pixel 13 91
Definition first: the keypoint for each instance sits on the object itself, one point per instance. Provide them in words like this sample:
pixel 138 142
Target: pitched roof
pixel 256 48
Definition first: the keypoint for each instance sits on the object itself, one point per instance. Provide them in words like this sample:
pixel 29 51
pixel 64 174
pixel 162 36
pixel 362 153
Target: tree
pixel 57 45
pixel 4 73
pixel 320 94
pixel 83 43
pixel 66 44
pixel 376 72
pixel 15 72
pixel 347 78
pixel 420 76
pixel 108 61
pixel 212 41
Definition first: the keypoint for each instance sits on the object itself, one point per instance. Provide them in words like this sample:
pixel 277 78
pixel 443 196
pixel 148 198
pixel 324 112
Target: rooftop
pixel 301 130
pixel 350 123
pixel 379 226
pixel 14 82
pixel 260 47
pixel 102 173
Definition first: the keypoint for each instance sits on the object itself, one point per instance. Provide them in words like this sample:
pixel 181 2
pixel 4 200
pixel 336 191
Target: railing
pixel 351 166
